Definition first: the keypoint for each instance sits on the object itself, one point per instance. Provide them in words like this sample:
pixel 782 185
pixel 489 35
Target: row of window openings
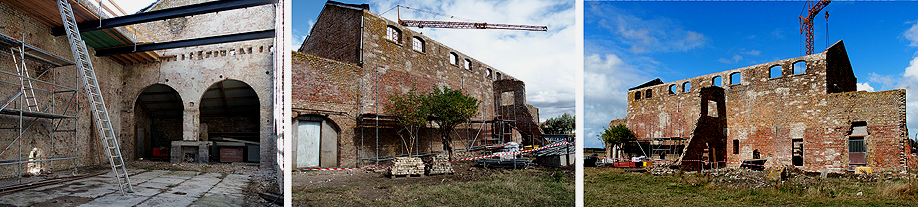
pixel 856 151
pixel 395 35
pixel 735 78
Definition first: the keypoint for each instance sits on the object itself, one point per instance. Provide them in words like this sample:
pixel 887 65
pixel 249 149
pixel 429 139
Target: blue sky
pixel 629 43
pixel 527 56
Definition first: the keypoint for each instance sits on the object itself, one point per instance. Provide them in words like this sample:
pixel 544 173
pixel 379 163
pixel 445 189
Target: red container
pixel 623 164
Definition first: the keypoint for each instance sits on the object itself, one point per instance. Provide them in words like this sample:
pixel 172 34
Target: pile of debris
pixel 440 166
pixel 660 168
pixel 742 178
pixel 407 166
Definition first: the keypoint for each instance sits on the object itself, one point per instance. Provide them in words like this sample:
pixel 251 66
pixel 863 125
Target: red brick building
pixel 354 59
pixel 802 111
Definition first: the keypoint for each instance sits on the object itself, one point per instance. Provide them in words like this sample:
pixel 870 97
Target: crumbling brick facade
pixel 347 68
pixel 803 118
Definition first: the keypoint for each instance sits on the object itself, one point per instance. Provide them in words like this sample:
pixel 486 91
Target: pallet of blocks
pixel 407 167
pixel 440 166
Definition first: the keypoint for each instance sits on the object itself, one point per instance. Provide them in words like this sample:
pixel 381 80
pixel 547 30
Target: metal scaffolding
pixel 36 101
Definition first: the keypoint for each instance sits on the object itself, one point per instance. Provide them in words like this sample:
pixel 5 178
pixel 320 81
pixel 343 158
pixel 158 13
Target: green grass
pixel 614 187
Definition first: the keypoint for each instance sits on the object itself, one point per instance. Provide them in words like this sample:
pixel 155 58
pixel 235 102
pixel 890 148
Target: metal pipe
pixel 44 160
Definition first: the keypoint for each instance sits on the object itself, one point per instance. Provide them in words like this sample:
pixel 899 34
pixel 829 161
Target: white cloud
pixel 864 87
pixel 606 82
pixel 129 6
pixel 543 60
pixel 645 35
pixel 912 35
pixel 912 70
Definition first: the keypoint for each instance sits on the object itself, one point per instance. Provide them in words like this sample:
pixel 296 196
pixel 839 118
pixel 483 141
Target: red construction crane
pixel 806 23
pixel 462 25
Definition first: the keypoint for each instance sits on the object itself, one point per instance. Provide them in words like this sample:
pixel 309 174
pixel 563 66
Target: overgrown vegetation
pixel 411 111
pixel 615 187
pixel 617 135
pixel 446 106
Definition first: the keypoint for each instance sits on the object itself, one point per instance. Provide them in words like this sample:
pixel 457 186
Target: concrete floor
pixel 151 188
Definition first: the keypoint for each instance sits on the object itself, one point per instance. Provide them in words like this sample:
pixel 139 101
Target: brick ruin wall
pixel 84 143
pixel 766 114
pixel 340 89
pixel 191 70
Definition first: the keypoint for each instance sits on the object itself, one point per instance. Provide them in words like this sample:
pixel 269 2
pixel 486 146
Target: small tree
pixel 617 135
pixel 563 124
pixel 411 113
pixel 450 108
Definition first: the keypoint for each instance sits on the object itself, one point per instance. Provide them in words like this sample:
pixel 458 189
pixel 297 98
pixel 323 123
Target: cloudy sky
pixel 129 6
pixel 545 61
pixel 629 43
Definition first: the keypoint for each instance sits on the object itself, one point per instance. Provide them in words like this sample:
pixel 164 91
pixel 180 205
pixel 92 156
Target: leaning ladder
pixel 84 64
pixel 25 82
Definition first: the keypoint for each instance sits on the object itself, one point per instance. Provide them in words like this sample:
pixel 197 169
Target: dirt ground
pixel 314 188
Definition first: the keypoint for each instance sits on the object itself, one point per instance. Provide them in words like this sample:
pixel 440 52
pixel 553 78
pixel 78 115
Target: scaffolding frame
pixel 56 116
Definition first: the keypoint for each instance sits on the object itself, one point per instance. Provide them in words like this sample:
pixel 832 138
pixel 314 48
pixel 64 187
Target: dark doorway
pixel 797 148
pixel 230 118
pixel 158 121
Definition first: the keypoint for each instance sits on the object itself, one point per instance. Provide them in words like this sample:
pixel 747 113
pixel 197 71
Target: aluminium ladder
pixel 25 82
pixel 84 65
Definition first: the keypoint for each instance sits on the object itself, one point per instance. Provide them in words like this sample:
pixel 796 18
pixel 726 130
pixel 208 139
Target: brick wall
pixel 328 82
pixel 766 113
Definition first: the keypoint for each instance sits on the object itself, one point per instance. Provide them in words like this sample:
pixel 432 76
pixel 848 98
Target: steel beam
pixel 183 11
pixel 186 43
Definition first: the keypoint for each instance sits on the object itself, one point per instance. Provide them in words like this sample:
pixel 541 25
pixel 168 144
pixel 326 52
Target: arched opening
pixel 637 95
pixel 672 89
pixel 686 87
pixel 736 78
pixel 774 71
pixel 717 81
pixel 453 58
pixel 800 67
pixel 393 34
pixel 230 117
pixel 417 44
pixel 649 93
pixel 157 122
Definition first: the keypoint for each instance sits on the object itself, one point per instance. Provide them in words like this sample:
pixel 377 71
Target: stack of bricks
pixel 438 167
pixel 407 166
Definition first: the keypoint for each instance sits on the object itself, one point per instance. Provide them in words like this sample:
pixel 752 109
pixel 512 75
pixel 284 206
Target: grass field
pixel 507 188
pixel 615 187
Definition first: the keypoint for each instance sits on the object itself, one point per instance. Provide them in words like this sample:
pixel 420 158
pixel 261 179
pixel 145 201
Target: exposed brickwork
pixel 84 143
pixel 342 74
pixel 766 114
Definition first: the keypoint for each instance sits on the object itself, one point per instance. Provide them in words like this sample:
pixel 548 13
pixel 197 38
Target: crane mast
pixel 806 23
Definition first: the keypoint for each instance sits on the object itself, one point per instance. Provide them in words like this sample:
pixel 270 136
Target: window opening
pixel 717 81
pixel 775 71
pixel 394 34
pixel 686 87
pixel 736 78
pixel 800 67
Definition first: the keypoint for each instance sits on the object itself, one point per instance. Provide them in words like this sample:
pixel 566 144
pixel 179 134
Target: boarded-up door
pixel 307 152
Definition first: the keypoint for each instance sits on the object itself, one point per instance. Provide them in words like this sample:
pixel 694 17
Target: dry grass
pixel 614 187
pixel 508 188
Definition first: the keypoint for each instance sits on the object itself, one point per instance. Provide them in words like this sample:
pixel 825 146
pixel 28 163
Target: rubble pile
pixel 438 167
pixel 407 166
pixel 660 168
pixel 744 179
